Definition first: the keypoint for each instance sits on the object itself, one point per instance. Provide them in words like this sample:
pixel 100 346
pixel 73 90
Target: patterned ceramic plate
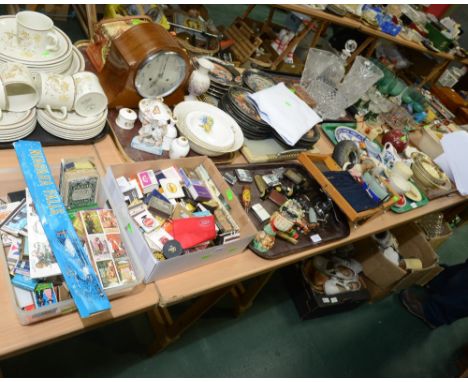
pixel 241 100
pixel 257 81
pixel 343 133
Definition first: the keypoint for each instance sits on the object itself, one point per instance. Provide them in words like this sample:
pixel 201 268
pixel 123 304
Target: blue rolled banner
pixel 72 259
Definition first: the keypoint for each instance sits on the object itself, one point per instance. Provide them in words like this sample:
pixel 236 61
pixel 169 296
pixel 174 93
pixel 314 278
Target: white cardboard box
pixel 134 240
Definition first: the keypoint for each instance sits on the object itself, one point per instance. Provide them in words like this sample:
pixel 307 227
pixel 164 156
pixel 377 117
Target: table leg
pixel 244 297
pixel 372 47
pixel 91 16
pixel 168 330
pixel 296 40
pixel 435 74
pixel 322 29
pixel 369 40
pixel 248 11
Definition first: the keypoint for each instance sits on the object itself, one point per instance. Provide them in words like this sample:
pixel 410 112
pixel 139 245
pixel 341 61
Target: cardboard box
pixel 376 293
pixel 385 274
pixel 15 182
pixel 310 304
pixel 134 240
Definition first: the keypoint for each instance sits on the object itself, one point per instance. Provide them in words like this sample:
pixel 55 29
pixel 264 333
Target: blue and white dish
pixel 343 133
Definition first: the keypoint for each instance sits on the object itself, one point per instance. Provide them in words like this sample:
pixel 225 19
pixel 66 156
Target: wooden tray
pixel 334 229
pixel 312 162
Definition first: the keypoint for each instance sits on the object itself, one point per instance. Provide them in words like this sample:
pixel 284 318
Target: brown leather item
pixel 277 197
pixel 127 53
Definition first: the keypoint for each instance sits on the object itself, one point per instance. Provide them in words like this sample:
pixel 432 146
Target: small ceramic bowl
pixel 400 185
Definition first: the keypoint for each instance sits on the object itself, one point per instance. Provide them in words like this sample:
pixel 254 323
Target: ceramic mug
pixel 36 30
pixel 90 98
pixel 375 186
pixel 20 90
pixel 402 170
pixel 400 185
pixel 389 156
pixel 126 118
pixel 56 92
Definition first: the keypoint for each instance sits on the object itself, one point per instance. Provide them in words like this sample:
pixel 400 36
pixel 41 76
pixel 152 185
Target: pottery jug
pixel 199 80
pixel 179 148
pixel 397 138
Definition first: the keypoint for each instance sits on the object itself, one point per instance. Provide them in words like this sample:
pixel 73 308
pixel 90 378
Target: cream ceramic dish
pixel 182 110
pixel 210 128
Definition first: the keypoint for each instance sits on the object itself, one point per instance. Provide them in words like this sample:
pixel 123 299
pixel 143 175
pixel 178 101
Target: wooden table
pixel 15 338
pixel 211 282
pixel 208 284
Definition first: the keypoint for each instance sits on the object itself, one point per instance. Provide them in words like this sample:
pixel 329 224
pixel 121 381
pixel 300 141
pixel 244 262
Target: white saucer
pixel 77 64
pixel 74 121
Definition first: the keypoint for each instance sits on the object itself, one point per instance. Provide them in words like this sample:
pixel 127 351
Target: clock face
pixel 160 74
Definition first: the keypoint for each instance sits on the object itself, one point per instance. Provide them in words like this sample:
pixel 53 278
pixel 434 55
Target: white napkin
pixel 456 156
pixel 290 116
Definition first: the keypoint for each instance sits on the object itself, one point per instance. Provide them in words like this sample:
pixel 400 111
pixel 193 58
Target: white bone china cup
pixel 36 30
pixel 56 92
pixel 90 98
pixel 20 90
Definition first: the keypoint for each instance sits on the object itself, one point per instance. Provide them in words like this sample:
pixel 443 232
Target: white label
pixel 325 300
pixel 316 238
pixel 334 300
pixel 414 205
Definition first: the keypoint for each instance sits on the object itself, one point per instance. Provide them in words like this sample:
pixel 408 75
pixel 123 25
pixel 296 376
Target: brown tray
pixel 334 229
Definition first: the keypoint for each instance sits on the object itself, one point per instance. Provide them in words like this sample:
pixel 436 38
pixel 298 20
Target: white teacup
pixel 56 92
pixel 36 30
pixel 400 185
pixel 21 93
pixel 90 98
pixel 402 170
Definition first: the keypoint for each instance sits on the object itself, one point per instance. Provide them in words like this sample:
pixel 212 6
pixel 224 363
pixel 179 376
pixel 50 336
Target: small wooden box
pixel 310 162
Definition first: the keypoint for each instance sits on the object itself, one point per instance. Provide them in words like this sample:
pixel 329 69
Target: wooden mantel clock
pixel 145 62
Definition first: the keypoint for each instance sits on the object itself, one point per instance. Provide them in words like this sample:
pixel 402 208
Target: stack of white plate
pixel 209 130
pixel 14 126
pixel 74 127
pixel 66 60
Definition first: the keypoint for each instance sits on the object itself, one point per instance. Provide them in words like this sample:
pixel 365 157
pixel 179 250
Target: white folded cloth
pixel 455 158
pixel 290 116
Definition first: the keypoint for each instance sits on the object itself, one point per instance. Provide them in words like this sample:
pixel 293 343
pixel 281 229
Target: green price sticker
pixel 129 228
pixel 136 21
pixel 229 194
pixel 45 53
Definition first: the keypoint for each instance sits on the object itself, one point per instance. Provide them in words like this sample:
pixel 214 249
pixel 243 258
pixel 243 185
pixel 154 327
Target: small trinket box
pixel 172 188
pixel 147 180
pixel 230 178
pixel 244 176
pixel 271 180
pixel 260 212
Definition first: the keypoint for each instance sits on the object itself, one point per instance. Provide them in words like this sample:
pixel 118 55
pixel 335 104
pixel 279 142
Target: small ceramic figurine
pixel 149 139
pixel 264 240
pixel 170 134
